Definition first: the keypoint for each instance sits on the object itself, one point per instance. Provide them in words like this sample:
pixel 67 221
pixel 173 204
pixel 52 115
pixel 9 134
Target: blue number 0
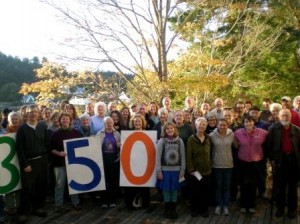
pixel 72 159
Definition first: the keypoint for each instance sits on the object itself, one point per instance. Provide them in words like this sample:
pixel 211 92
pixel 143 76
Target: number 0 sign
pixel 9 165
pixel 138 158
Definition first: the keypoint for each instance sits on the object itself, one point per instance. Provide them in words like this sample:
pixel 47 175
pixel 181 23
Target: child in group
pixel 170 167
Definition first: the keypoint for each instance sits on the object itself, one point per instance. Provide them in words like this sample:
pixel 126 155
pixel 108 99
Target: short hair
pixel 268 100
pixel 222 120
pixel 295 100
pixel 162 111
pixel 164 134
pixel 211 115
pixel 199 120
pixel 106 119
pixel 84 116
pixel 218 99
pixel 144 123
pixel 238 102
pixel 54 115
pixel 248 118
pixel 248 102
pixel 274 106
pixel 31 107
pixel 98 104
pixel 14 114
pixel 65 114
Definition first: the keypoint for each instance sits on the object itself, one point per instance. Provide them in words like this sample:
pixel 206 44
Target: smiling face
pixel 115 117
pixel 138 123
pixel 15 120
pixel 65 121
pixel 249 124
pixel 201 125
pixel 85 122
pixel 33 114
pixel 222 126
pixel 170 130
pixel 179 117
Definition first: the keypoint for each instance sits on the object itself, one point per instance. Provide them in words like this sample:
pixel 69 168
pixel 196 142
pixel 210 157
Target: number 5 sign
pixel 138 158
pixel 84 164
pixel 9 165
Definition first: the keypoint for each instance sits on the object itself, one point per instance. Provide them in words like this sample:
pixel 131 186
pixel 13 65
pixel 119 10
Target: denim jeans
pixel 222 182
pixel 60 181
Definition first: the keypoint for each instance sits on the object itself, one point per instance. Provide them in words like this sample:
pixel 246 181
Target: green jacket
pixel 198 155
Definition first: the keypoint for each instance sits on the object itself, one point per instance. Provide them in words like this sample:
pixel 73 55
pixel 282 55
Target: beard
pixel 285 123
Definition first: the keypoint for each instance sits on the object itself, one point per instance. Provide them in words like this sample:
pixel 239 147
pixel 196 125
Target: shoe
pixel 77 207
pixel 194 213
pixel 104 206
pixel 40 213
pixel 58 209
pixel 204 214
pixel 243 210
pixel 174 214
pixel 225 211
pixel 218 210
pixel 167 211
pixel 292 214
pixel 112 205
pixel 22 219
pixel 264 196
pixel 279 213
pixel 252 211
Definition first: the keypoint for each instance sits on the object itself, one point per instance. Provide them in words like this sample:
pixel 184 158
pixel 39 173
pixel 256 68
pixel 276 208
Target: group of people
pixel 210 154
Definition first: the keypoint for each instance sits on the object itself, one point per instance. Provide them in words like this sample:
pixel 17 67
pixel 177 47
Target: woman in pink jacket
pixel 250 154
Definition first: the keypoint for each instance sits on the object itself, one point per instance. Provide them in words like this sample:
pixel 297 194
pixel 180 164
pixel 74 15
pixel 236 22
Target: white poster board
pixel 84 164
pixel 137 158
pixel 9 164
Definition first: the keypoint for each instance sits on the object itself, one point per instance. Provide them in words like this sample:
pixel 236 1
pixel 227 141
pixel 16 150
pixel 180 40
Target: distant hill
pixel 13 72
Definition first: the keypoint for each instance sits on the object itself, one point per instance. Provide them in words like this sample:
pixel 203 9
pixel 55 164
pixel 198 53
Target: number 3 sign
pixel 9 164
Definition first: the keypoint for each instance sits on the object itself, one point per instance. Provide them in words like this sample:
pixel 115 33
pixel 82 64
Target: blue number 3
pixel 72 159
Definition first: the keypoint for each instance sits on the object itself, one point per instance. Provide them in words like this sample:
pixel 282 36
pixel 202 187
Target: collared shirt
pixel 286 141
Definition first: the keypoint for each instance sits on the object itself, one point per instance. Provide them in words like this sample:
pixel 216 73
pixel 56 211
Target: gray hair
pixel 14 114
pixel 162 111
pixel 274 106
pixel 84 116
pixel 200 120
pixel 295 99
pixel 98 104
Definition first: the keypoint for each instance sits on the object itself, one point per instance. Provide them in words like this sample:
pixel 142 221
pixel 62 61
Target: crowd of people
pixel 208 153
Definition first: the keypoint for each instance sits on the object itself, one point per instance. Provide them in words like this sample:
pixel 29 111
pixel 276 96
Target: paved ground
pixel 92 213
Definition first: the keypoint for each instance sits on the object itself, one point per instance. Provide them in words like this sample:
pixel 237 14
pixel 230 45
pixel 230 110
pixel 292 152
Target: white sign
pixel 9 164
pixel 84 164
pixel 138 158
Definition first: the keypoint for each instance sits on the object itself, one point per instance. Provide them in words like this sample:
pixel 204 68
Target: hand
pixel 27 169
pixel 181 175
pixel 273 165
pixel 62 154
pixel 160 176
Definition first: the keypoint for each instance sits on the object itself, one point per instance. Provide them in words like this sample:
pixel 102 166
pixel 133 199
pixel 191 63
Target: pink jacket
pixel 250 145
